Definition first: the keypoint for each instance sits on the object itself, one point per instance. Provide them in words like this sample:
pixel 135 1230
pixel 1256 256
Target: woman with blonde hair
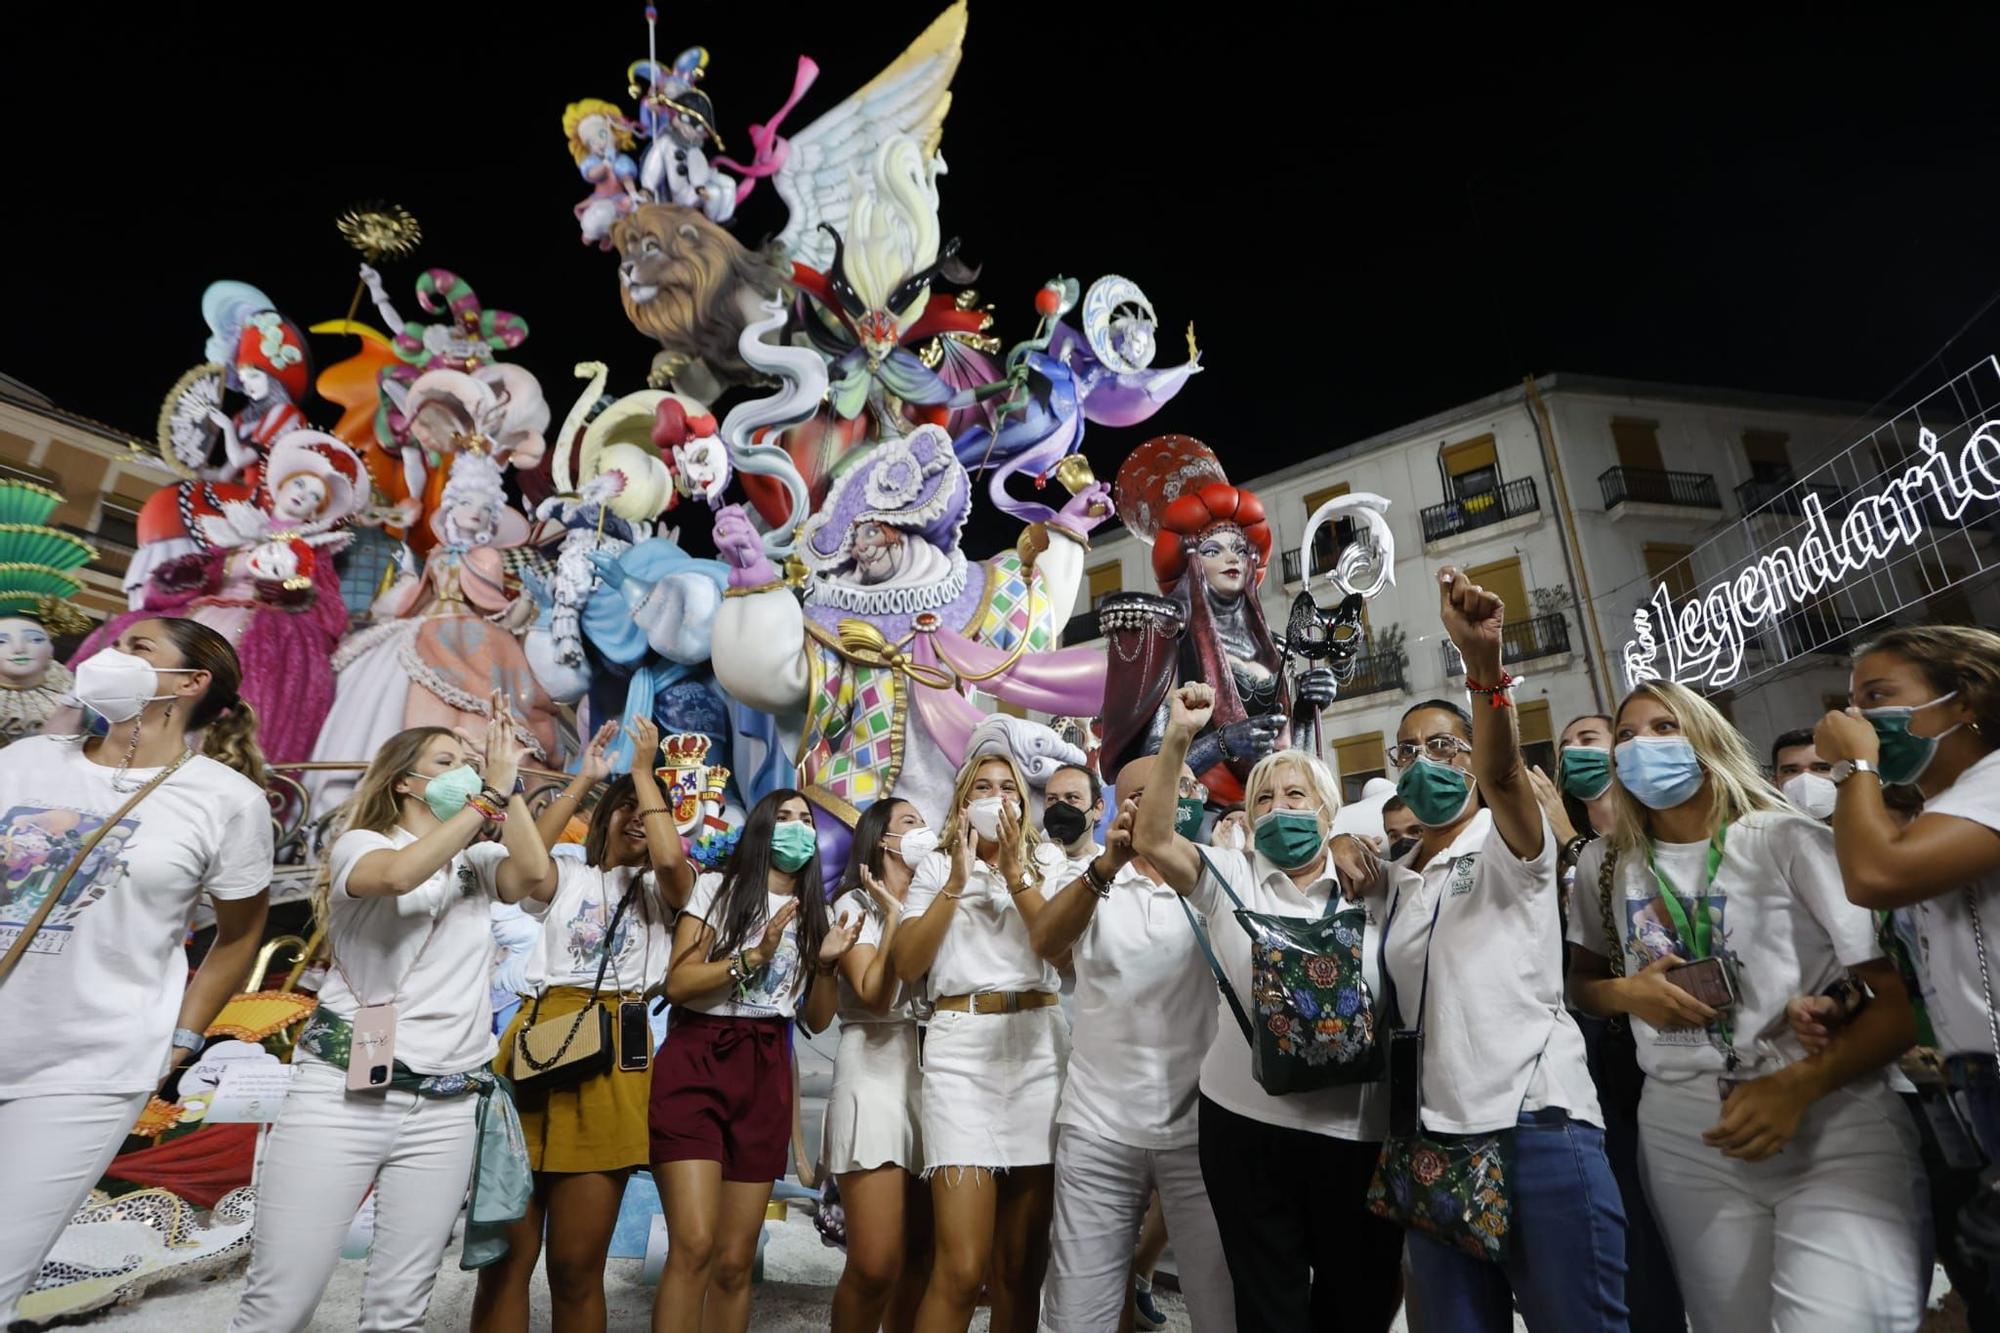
pixel 994 1053
pixel 1926 712
pixel 1297 1258
pixel 1785 1183
pixel 98 1003
pixel 382 1093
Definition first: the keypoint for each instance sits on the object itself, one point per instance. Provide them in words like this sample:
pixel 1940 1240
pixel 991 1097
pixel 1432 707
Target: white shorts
pixel 991 1086
pixel 873 1113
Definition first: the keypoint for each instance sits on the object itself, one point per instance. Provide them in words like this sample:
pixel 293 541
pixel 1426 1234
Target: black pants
pixel 1304 1252
pixel 1651 1292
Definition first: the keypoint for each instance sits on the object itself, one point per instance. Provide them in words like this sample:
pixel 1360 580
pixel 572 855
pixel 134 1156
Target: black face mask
pixel 1400 847
pixel 1064 822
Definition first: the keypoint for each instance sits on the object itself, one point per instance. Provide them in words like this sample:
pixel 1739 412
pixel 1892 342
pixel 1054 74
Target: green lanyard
pixel 1698 937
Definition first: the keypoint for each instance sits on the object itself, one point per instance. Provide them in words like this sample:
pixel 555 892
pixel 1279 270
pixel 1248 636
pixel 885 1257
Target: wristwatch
pixel 187 1039
pixel 1847 768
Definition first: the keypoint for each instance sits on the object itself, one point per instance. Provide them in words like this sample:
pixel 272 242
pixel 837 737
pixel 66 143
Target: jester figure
pixel 873 666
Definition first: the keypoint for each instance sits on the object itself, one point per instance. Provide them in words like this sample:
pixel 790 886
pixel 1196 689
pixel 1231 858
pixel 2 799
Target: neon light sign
pixel 1701 641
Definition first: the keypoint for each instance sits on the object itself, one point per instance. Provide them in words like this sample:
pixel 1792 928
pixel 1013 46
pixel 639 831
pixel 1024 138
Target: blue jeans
pixel 1566 1250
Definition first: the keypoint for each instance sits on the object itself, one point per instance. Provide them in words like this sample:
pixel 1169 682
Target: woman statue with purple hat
pixel 895 625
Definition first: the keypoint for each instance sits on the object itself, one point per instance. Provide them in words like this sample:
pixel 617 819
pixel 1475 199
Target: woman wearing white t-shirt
pixel 610 915
pixel 1474 960
pixel 100 1007
pixel 753 949
pixel 1785 1183
pixel 993 1053
pixel 874 1134
pixel 1927 712
pixel 1298 1257
pixel 406 905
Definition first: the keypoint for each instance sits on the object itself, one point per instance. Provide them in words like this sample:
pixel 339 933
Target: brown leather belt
pixel 997 1001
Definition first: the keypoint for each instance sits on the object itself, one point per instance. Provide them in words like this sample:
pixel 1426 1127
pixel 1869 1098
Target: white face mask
pixel 1811 794
pixel 985 816
pixel 117 686
pixel 915 844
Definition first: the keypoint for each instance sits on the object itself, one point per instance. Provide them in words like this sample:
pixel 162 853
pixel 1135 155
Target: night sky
pixel 1369 218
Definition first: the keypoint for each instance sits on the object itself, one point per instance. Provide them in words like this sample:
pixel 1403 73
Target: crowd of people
pixel 1670 1037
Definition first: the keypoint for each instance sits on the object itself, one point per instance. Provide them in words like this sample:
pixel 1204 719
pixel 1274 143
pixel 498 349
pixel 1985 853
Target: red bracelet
pixel 1496 695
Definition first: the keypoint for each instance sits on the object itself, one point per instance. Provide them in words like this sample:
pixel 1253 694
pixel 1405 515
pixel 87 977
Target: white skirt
pixel 991 1086
pixel 873 1113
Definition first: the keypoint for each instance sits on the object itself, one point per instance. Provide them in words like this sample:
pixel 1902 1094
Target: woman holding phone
pixel 1785 1183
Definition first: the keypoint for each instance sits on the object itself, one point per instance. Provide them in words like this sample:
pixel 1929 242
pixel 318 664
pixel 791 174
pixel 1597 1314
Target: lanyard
pixel 1699 938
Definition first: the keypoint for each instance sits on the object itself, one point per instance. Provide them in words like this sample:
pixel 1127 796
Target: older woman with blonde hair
pixel 994 1053
pixel 1297 1258
pixel 1785 1182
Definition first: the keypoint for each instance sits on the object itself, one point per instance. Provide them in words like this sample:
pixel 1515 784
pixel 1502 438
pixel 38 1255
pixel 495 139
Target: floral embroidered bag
pixel 1315 1025
pixel 1451 1187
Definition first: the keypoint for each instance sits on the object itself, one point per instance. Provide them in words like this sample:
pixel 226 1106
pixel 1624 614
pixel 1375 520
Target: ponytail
pixel 231 739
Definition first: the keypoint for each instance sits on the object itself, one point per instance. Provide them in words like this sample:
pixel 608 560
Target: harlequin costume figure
pixel 894 623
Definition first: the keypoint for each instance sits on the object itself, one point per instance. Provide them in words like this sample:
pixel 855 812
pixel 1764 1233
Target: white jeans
pixel 328 1147
pixel 1824 1236
pixel 1102 1189
pixel 52 1151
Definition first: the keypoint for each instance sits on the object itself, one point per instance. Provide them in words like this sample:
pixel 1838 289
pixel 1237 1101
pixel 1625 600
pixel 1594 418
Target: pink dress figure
pixel 269 586
pixel 443 641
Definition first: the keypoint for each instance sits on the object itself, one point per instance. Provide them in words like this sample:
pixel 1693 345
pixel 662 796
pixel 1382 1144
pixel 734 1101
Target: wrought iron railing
pixel 1375 673
pixel 1512 500
pixel 1784 495
pixel 1690 490
pixel 1520 641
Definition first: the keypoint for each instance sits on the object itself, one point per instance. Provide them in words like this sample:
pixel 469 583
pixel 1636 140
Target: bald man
pixel 1144 1016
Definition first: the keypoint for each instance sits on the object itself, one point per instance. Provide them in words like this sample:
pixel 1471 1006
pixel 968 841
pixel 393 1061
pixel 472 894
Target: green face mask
pixel 1290 838
pixel 792 845
pixel 1584 772
pixel 1188 816
pixel 1437 794
pixel 1904 757
pixel 446 793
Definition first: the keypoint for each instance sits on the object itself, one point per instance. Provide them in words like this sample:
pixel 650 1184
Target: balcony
pixel 1650 486
pixel 1376 673
pixel 1293 566
pixel 1784 495
pixel 1469 513
pixel 1521 641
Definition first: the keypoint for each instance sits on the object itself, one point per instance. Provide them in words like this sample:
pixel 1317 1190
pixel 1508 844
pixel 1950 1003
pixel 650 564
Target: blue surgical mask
pixel 1904 757
pixel 446 793
pixel 1660 771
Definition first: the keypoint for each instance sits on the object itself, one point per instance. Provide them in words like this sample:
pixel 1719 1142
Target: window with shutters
pixel 1770 458
pixel 1331 537
pixel 1105 579
pixel 1472 466
pixel 1357 759
pixel 1637 443
pixel 1538 747
pixel 1670 565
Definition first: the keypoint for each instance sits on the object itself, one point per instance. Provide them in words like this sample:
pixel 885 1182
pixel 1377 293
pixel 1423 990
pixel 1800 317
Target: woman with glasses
pixel 1786 1182
pixel 1297 1257
pixel 1474 960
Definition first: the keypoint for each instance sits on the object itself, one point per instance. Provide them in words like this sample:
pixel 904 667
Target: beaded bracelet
pixel 487 810
pixel 1496 695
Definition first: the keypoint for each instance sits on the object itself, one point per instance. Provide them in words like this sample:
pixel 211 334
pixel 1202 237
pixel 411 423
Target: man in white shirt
pixel 1145 1013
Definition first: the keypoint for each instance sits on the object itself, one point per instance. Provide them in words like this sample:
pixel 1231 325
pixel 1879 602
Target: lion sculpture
pixel 693 287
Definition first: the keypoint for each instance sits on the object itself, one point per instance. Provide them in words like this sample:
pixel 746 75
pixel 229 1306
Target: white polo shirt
pixel 1498 1038
pixel 1358 1112
pixel 1144 1016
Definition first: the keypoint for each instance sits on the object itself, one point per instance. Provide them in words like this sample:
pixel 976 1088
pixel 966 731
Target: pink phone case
pixel 371 1060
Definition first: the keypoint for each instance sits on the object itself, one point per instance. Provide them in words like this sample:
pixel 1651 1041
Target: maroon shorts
pixel 722 1092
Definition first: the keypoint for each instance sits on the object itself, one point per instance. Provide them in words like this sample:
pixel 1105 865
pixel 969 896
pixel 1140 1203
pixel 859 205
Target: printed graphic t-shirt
pixel 773 990
pixel 94 1002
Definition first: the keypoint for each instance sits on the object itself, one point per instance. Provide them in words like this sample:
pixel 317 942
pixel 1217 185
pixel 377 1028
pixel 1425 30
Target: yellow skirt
pixel 596 1124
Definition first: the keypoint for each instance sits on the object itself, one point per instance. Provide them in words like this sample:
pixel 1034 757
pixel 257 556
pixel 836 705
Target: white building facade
pixel 1642 475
